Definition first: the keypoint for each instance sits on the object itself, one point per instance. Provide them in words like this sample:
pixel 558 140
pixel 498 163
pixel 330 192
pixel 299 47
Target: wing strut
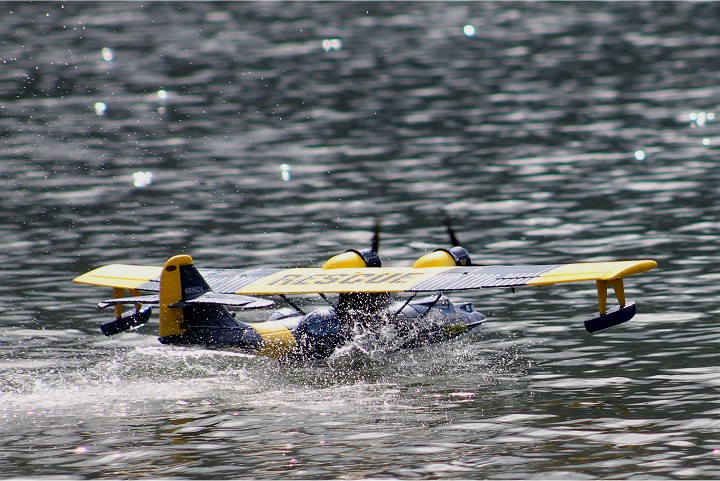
pixel 617 315
pixel 602 288
pixel 397 313
pixel 292 304
pixel 431 305
pixel 128 320
pixel 118 292
pixel 324 298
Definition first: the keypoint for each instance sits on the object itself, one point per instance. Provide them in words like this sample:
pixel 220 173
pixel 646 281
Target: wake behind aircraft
pixel 193 303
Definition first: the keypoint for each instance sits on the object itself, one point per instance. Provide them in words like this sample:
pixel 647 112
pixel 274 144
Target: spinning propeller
pixel 454 256
pixel 358 257
pixel 451 233
pixel 461 255
pixel 375 246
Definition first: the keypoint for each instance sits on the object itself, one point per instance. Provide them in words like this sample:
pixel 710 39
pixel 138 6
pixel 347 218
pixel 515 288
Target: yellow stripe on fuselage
pixel 310 280
pixel 277 339
pixel 592 271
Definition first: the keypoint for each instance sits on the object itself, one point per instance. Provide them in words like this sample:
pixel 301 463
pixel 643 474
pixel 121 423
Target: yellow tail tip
pixel 177 261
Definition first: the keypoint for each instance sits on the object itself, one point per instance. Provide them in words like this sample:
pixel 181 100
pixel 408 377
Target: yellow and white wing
pixel 272 281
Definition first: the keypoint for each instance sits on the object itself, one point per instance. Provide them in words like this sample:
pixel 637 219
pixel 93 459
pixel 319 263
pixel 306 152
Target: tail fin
pixel 190 312
pixel 172 319
pixel 180 285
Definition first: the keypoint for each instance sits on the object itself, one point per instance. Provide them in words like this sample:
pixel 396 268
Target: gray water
pixel 275 134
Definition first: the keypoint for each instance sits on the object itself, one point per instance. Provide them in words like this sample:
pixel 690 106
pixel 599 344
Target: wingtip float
pixel 192 303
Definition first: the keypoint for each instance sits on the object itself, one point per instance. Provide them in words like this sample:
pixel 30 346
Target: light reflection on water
pixel 584 133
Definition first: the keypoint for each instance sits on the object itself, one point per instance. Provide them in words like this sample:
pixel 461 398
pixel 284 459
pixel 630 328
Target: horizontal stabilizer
pixel 153 300
pixel 235 300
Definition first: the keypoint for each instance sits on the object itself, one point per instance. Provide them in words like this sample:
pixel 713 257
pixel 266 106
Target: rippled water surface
pixel 275 134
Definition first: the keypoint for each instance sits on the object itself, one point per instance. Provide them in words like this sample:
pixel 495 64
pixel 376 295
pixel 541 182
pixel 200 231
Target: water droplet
pixel 469 30
pixel 639 155
pixel 107 54
pixel 100 108
pixel 331 44
pixel 285 172
pixel 142 179
pixel 700 119
pixel 81 450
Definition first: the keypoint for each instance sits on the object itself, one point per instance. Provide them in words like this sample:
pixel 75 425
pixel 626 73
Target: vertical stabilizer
pixel 172 319
pixel 190 314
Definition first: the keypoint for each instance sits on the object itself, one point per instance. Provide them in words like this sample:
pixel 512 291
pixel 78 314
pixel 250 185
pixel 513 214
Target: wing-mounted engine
pixel 452 257
pixel 455 256
pixel 359 308
pixel 358 258
pixel 353 258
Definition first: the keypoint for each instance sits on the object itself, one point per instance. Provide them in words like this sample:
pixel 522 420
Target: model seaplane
pixel 193 303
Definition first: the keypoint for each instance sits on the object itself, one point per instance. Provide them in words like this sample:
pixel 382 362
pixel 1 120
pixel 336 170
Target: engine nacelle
pixel 455 256
pixel 353 259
